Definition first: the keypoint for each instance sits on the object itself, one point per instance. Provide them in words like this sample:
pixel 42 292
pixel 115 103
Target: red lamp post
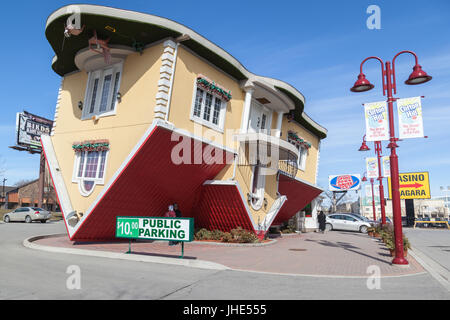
pixel 364 179
pixel 418 76
pixel 378 150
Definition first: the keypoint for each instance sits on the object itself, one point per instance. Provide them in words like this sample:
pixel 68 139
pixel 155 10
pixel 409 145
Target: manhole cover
pixel 297 249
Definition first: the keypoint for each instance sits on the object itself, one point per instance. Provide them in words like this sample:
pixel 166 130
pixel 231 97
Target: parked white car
pixel 27 214
pixel 346 222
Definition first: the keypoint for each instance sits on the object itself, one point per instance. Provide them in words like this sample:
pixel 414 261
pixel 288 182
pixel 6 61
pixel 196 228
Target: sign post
pixel 156 228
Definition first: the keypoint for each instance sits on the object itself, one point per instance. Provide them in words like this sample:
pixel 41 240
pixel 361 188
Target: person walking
pixel 171 214
pixel 321 218
pixel 177 210
pixel 178 215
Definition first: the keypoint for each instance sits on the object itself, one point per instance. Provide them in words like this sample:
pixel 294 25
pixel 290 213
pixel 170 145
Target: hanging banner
pixel 368 194
pixel 410 118
pixel 372 167
pixel 377 125
pixel 386 166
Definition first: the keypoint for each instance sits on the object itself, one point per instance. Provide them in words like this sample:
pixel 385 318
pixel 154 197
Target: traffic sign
pixel 413 185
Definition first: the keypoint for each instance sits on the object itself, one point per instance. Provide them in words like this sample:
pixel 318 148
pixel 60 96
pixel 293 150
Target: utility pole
pixel 3 193
pixel 41 180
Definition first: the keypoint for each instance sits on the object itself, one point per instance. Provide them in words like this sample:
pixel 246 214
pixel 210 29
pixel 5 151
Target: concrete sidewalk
pixel 333 254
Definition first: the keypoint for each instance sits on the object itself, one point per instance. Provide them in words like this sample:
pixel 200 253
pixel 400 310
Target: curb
pixel 201 264
pixel 441 274
pixel 224 244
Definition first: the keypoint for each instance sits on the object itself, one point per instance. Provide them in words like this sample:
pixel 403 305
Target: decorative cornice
pixel 91 145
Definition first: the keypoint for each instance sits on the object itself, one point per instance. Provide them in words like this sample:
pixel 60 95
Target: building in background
pixel 431 208
pixel 27 195
pixel 150 113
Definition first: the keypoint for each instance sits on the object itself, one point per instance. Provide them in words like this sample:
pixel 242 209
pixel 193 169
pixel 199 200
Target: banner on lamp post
pixel 377 125
pixel 372 167
pixel 410 118
pixel 368 192
pixel 386 166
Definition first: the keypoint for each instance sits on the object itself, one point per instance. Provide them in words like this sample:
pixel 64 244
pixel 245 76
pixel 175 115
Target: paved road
pixel 434 243
pixel 33 274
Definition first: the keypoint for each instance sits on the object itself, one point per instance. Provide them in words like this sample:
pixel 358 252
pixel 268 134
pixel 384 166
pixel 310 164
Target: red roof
pixel 148 184
pixel 298 193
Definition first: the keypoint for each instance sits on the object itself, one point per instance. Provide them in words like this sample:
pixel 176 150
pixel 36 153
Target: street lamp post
pixel 418 76
pixel 378 151
pixel 364 179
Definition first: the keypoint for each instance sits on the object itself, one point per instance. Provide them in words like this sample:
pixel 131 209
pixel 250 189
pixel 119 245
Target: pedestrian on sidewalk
pixel 321 218
pixel 178 215
pixel 171 214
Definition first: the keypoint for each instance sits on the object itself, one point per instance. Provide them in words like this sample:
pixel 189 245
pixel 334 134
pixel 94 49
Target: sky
pixel 316 46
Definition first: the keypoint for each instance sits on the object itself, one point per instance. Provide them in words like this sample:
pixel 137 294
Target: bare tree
pixel 22 182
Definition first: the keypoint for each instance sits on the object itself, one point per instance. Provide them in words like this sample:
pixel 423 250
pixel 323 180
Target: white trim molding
pixel 58 102
pixel 166 78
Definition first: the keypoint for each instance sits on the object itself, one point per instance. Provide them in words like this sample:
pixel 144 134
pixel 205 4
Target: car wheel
pixel 328 227
pixel 363 229
pixel 27 219
pixel 6 219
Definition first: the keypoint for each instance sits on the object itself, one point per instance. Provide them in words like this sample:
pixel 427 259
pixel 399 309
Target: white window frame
pixel 255 104
pixel 80 180
pixel 220 126
pixel 100 74
pixel 302 155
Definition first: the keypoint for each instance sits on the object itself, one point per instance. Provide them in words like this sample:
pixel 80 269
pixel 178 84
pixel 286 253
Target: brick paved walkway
pixel 331 254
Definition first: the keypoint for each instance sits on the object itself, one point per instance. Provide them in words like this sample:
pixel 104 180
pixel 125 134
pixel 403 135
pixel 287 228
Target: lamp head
pixel 418 76
pixel 362 84
pixel 364 147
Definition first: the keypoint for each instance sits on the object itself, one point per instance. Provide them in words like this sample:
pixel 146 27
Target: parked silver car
pixel 347 222
pixel 27 214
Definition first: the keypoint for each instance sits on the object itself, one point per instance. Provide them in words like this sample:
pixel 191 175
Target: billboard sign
pixel 29 129
pixel 413 185
pixel 345 182
pixel 155 228
pixel 377 126
pixel 410 118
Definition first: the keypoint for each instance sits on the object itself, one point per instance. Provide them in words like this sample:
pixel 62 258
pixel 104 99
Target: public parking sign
pixel 155 228
pixel 413 185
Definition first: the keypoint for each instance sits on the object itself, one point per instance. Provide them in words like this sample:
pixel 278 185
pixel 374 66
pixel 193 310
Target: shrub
pixel 203 234
pixel 243 236
pixel 289 229
pixel 216 235
pixel 227 237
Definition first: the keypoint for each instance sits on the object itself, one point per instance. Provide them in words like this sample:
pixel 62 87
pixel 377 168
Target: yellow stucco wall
pixel 134 114
pixel 309 174
pixel 188 67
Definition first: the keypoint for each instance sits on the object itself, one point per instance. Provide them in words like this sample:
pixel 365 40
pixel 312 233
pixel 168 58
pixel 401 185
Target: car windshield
pixel 357 216
pixel 37 209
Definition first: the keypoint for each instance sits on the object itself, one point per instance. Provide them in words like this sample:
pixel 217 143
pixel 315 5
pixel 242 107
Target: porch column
pixel 247 105
pixel 279 122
